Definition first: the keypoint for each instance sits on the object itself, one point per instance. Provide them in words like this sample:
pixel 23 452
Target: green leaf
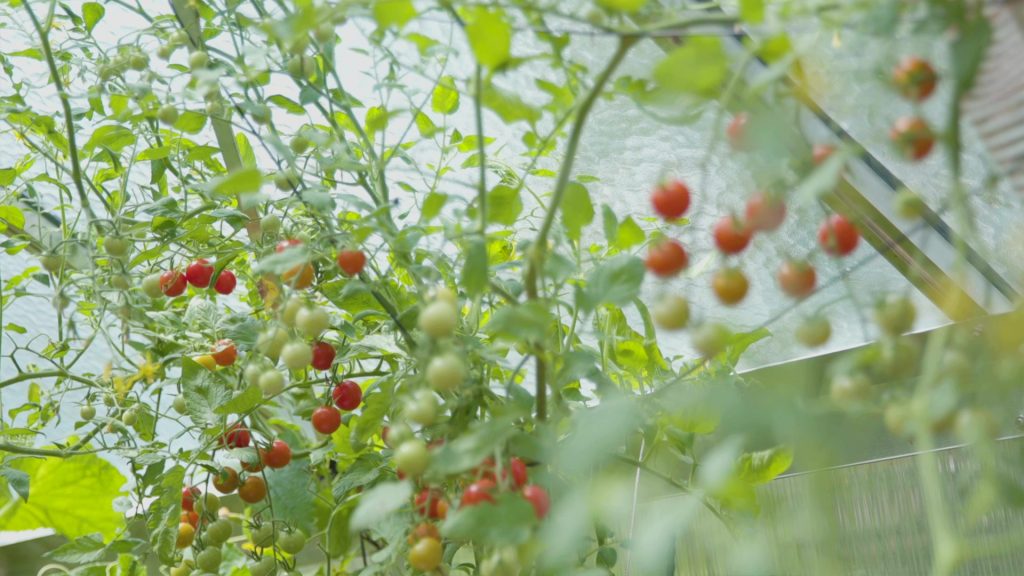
pixel 475 269
pixel 577 209
pixel 425 125
pixel 190 122
pixel 83 550
pixel 969 50
pixel 629 234
pixel 241 181
pixel 376 119
pixel 471 447
pixel 287 104
pixel 17 479
pixel 529 321
pixel 509 521
pixel 752 11
pixel 432 206
pixel 203 393
pixel 765 465
pixel 72 496
pixel 615 281
pixel 503 205
pixel 154 153
pixel 396 13
pixel 112 136
pixel 509 107
pixel 699 66
pixel 445 99
pixel 11 216
pixel 490 36
pixel 610 223
pixel 622 5
pixel 378 502
pixel 243 402
pixel 7 176
pixel 92 12
pixel 291 491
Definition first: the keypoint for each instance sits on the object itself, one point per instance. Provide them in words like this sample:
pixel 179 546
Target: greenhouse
pixel 520 287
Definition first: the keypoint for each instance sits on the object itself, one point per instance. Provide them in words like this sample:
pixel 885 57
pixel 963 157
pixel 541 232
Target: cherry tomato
pixel 253 489
pixel 666 258
pixel 426 554
pixel 191 518
pixel 814 331
pixel 430 503
pixel 224 352
pixel 209 559
pixel 167 114
pixel 838 236
pixel 671 199
pixel 226 282
pixel 173 283
pixel 151 284
pixel 326 419
pixel 296 355
pixel 206 361
pixel 822 152
pixel 477 493
pixel 914 78
pixel 797 278
pixel 271 382
pixel 895 315
pixel 737 131
pixel 186 534
pixel 517 468
pixel 671 312
pixel 424 530
pixel 237 436
pixel 446 372
pixel 538 497
pixel 351 262
pixel 226 480
pixel 412 457
pixel 278 456
pixel 912 137
pixel 850 388
pixel 188 497
pixel 439 319
pixel 253 463
pixel 323 356
pixel 711 338
pixel 199 273
pixel 347 395
pixel 300 276
pixel 115 246
pixel 731 235
pixel 765 212
pixel 312 321
pixel 730 285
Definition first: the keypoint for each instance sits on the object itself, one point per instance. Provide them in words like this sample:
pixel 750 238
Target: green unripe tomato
pixel 164 51
pixel 446 372
pixel 260 114
pixel 215 108
pixel 183 569
pixel 270 225
pixel 896 416
pixel 439 319
pixel 296 355
pixel 711 338
pixel 115 246
pixel 179 404
pixel 324 32
pixel 292 542
pixel 909 205
pixel 421 408
pixel 52 263
pixel 120 281
pixel 271 382
pixel 217 533
pixel 178 37
pixel 312 321
pixel 443 293
pixel 290 311
pixel 263 567
pixel 895 315
pixel 814 331
pixel 285 180
pixel 671 312
pixel 252 374
pixel 209 560
pixel 398 434
pixel 198 59
pixel 299 144
pixel 208 502
pixel 412 457
pixel 168 114
pixel 109 401
pixel 138 61
pixel 151 286
pixel 850 388
pixel 271 342
pixel 130 417
pixel 87 412
pixel 263 536
pixel 301 67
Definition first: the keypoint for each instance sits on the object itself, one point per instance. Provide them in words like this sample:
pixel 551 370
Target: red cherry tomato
pixel 430 503
pixel 188 498
pixel 278 456
pixel 300 276
pixel 323 356
pixel 671 199
pixel 797 278
pixel 351 262
pixel 286 244
pixel 190 517
pixel 173 283
pixel 538 497
pixel 731 235
pixel 199 273
pixel 326 419
pixel 765 212
pixel 914 78
pixel 347 395
pixel 226 480
pixel 253 489
pixel 821 152
pixel 912 137
pixel 237 436
pixel 224 352
pixel 518 470
pixel 477 493
pixel 666 258
pixel 226 282
pixel 737 131
pixel 838 236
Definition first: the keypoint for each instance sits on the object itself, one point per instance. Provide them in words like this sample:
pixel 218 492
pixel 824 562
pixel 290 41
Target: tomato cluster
pixel 915 80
